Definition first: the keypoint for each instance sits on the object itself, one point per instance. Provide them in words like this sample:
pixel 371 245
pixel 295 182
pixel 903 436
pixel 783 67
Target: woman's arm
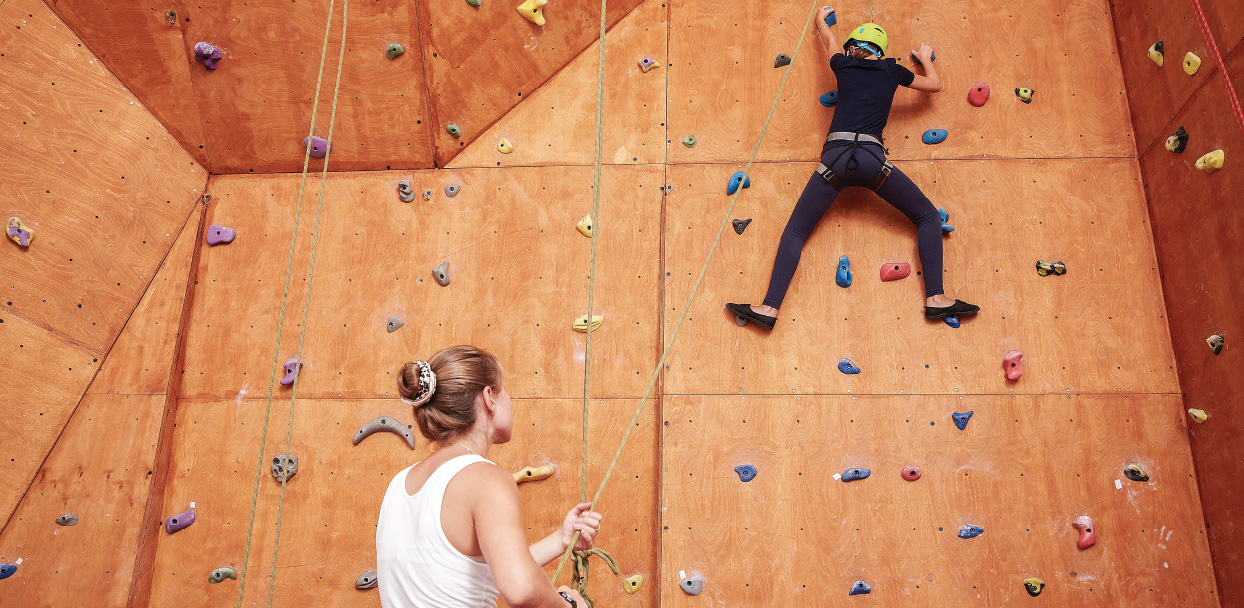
pixel 579 519
pixel 931 81
pixel 826 33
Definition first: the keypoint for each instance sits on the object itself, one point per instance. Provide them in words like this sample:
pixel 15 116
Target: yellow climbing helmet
pixel 870 33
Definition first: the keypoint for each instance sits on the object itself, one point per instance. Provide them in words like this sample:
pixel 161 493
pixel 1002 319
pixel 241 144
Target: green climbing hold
pixel 453 130
pixel 394 50
pixel 689 141
pixel 473 2
pixel 221 574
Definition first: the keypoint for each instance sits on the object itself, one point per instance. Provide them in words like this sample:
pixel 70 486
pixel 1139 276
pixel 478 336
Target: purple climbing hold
pixel 318 145
pixel 292 367
pixel 20 232
pixel 220 235
pixel 179 521
pixel 206 54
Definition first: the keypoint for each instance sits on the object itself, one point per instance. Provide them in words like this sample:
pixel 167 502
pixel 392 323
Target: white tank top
pixel 416 567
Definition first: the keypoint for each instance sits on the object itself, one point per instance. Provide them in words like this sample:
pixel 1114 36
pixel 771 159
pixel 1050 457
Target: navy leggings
pixel 818 195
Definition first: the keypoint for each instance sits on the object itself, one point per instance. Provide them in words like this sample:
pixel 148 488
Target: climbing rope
pixel 725 221
pixel 1222 68
pixel 315 239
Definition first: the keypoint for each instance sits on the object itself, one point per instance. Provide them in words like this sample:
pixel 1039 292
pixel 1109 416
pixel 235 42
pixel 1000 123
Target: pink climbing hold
pixel 206 54
pixel 978 94
pixel 1011 366
pixel 318 145
pixel 911 473
pixel 1088 537
pixel 220 235
pixel 292 367
pixel 894 271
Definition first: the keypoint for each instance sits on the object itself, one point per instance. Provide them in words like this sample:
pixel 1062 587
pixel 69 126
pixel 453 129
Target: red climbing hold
pixel 978 94
pixel 894 271
pixel 1011 366
pixel 1088 538
pixel 911 473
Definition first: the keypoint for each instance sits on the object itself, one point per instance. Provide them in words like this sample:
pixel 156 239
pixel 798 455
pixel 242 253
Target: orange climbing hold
pixel 978 94
pixel 894 271
pixel 1011 366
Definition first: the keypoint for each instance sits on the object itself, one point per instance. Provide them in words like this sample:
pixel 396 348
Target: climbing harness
pixel 856 139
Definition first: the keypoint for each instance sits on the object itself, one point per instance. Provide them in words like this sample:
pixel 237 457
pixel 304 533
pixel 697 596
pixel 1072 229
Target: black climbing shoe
pixel 744 313
pixel 958 308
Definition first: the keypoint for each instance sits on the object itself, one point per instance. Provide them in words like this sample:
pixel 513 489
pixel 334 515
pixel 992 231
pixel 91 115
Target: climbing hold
pixel 782 60
pixel 427 195
pixel 504 146
pixel 1211 162
pixel 946 227
pixel 854 474
pixel 284 466
pixel 689 141
pixel 318 145
pixel 1198 416
pixel 441 274
pixel 934 136
pixel 7 570
pixel 473 2
pixel 1034 585
pixel 366 580
pixel 1215 343
pixel 20 232
pixel 1157 53
pixel 1088 537
pixel 847 367
pixel 692 584
pixel 962 418
pixel 952 321
pixel 178 522
pixel 968 531
pixel 1192 63
pixel 1046 269
pixel 534 473
pixel 452 190
pixel 207 54
pixel 404 191
pixel 292 367
pixel 1134 473
pixel 220 235
pixel 737 178
pixel 533 11
pixel 393 324
pixel 586 226
pixel 831 19
pixel 453 130
pixel 632 583
pixel 1010 365
pixel 648 63
pixel 1024 94
pixel 843 276
pixel 394 50
pixel 829 99
pixel 387 424
pixel 580 324
pixel 221 574
pixel 859 588
pixel 978 94
pixel 746 472
pixel 1177 142
pixel 67 519
pixel 741 225
pixel 894 271
pixel 911 473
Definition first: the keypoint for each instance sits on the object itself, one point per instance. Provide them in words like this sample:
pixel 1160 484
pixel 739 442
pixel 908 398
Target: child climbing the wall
pixel 450 534
pixel 854 155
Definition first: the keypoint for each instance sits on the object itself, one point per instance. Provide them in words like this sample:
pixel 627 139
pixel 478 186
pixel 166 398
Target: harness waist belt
pixel 848 136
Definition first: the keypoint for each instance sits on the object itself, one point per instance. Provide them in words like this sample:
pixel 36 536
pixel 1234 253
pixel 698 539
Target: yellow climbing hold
pixel 533 11
pixel 1034 586
pixel 1211 162
pixel 20 232
pixel 586 226
pixel 1156 53
pixel 632 583
pixel 648 63
pixel 534 473
pixel 580 324
pixel 1198 416
pixel 1192 63
pixel 504 146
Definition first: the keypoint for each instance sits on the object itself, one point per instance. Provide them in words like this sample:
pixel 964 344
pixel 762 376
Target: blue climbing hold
pixel 860 588
pixel 946 228
pixel 735 180
pixel 7 570
pixel 746 472
pixel 952 320
pixel 961 420
pixel 843 278
pixel 847 367
pixel 854 474
pixel 829 99
pixel 831 19
pixel 968 531
pixel 934 136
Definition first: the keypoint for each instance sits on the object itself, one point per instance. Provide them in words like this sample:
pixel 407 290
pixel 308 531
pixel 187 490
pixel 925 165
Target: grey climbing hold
pixel 442 274
pixel 969 531
pixel 860 588
pixel 452 190
pixel 692 584
pixel 854 474
pixel 394 50
pixel 782 60
pixel 741 225
pixel 405 192
pixel 67 519
pixel 427 195
pixel 7 570
pixel 453 130
pixel 366 580
pixel 689 141
pixel 394 324
pixel 284 466
pixel 961 419
pixel 221 574
pixel 388 425
pixel 179 522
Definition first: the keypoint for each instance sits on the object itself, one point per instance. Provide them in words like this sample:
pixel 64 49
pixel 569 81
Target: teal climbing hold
pixel 843 277
pixel 738 178
pixel 934 136
pixel 946 227
pixel 961 419
pixel 829 99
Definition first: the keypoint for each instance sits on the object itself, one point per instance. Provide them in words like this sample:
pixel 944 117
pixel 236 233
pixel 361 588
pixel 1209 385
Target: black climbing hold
pixel 741 225
pixel 393 324
pixel 1177 142
pixel 1134 473
pixel 386 424
pixel 746 472
pixel 67 519
pixel 860 588
pixel 961 419
pixel 366 580
pixel 782 60
pixel 7 570
pixel 284 466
